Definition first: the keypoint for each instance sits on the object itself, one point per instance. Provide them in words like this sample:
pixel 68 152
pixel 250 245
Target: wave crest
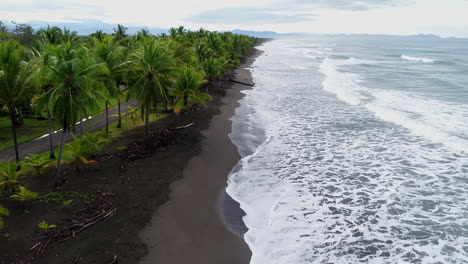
pixel 425 60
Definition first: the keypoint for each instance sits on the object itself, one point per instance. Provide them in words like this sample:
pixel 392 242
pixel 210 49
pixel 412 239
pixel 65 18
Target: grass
pixel 30 130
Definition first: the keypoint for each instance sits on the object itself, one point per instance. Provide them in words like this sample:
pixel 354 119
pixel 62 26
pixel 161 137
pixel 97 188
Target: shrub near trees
pixel 66 77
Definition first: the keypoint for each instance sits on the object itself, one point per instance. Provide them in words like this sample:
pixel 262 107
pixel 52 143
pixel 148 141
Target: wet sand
pixel 201 224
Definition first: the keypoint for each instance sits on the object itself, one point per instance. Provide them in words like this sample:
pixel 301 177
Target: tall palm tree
pixel 16 81
pixel 153 66
pixel 44 58
pixel 187 85
pixel 112 56
pixel 77 90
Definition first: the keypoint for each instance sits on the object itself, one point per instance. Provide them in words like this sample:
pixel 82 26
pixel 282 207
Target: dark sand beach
pixel 189 228
pixel 168 204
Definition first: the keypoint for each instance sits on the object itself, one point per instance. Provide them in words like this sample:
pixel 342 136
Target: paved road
pixel 41 145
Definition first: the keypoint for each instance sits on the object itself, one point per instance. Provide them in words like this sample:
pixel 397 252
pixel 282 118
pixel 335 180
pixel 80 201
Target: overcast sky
pixel 405 17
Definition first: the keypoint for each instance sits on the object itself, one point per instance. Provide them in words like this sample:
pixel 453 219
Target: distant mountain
pixel 88 26
pixel 258 34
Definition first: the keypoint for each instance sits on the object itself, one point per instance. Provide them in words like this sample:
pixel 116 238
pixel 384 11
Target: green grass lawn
pixel 31 129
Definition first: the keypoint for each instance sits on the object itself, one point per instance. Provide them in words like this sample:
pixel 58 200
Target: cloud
pixel 248 16
pixel 352 5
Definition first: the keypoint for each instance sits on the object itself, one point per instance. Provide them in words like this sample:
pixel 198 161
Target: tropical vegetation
pixel 58 79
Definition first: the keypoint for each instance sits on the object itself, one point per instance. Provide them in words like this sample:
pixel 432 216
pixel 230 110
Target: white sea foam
pixel 333 182
pixel 438 121
pixel 425 60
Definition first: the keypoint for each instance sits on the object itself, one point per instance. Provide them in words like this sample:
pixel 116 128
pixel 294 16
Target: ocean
pixel 355 150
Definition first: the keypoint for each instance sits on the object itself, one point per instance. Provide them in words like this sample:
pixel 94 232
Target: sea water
pixel 355 150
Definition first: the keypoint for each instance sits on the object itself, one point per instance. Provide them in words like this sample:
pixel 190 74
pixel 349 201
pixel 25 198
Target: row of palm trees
pixel 67 77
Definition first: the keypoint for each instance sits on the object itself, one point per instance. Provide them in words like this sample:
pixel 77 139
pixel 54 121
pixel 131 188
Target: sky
pixel 446 18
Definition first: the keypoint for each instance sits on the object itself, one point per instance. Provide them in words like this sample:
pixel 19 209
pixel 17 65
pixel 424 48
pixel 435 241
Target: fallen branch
pixel 235 81
pixel 99 219
pixel 182 127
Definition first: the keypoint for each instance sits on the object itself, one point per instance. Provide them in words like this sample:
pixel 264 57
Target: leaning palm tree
pixel 16 81
pixel 187 85
pixel 152 66
pixel 112 56
pixel 77 90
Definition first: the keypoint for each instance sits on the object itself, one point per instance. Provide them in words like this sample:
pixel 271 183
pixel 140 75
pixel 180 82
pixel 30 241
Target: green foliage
pixel 67 204
pixel 38 162
pixel 45 227
pixel 24 195
pixel 77 91
pixel 51 35
pixel 3 212
pixel 61 197
pixel 153 66
pixel 186 88
pixel 213 67
pixel 9 177
pixel 16 80
pixel 132 113
pixel 65 77
pixel 82 148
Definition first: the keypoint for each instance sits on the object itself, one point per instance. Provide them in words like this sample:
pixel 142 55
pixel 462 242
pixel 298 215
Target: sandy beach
pixel 190 227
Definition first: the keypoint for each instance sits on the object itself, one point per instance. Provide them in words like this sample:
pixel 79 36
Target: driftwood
pixel 235 81
pixel 182 127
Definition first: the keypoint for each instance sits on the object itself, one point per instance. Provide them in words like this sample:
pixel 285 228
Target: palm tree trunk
pixel 13 127
pixel 51 143
pixel 81 123
pixel 107 118
pixel 20 116
pixel 147 114
pixel 119 125
pixel 59 161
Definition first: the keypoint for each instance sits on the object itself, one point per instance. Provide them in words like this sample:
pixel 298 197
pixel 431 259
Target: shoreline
pixel 201 219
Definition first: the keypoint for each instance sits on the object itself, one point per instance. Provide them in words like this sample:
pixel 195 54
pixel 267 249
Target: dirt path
pixel 41 145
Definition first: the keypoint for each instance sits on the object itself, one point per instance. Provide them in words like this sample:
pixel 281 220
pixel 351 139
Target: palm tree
pixel 187 85
pixel 77 90
pixel 120 33
pixel 70 36
pixel 44 58
pixel 112 56
pixel 99 35
pixel 153 66
pixel 52 35
pixel 213 68
pixel 16 81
